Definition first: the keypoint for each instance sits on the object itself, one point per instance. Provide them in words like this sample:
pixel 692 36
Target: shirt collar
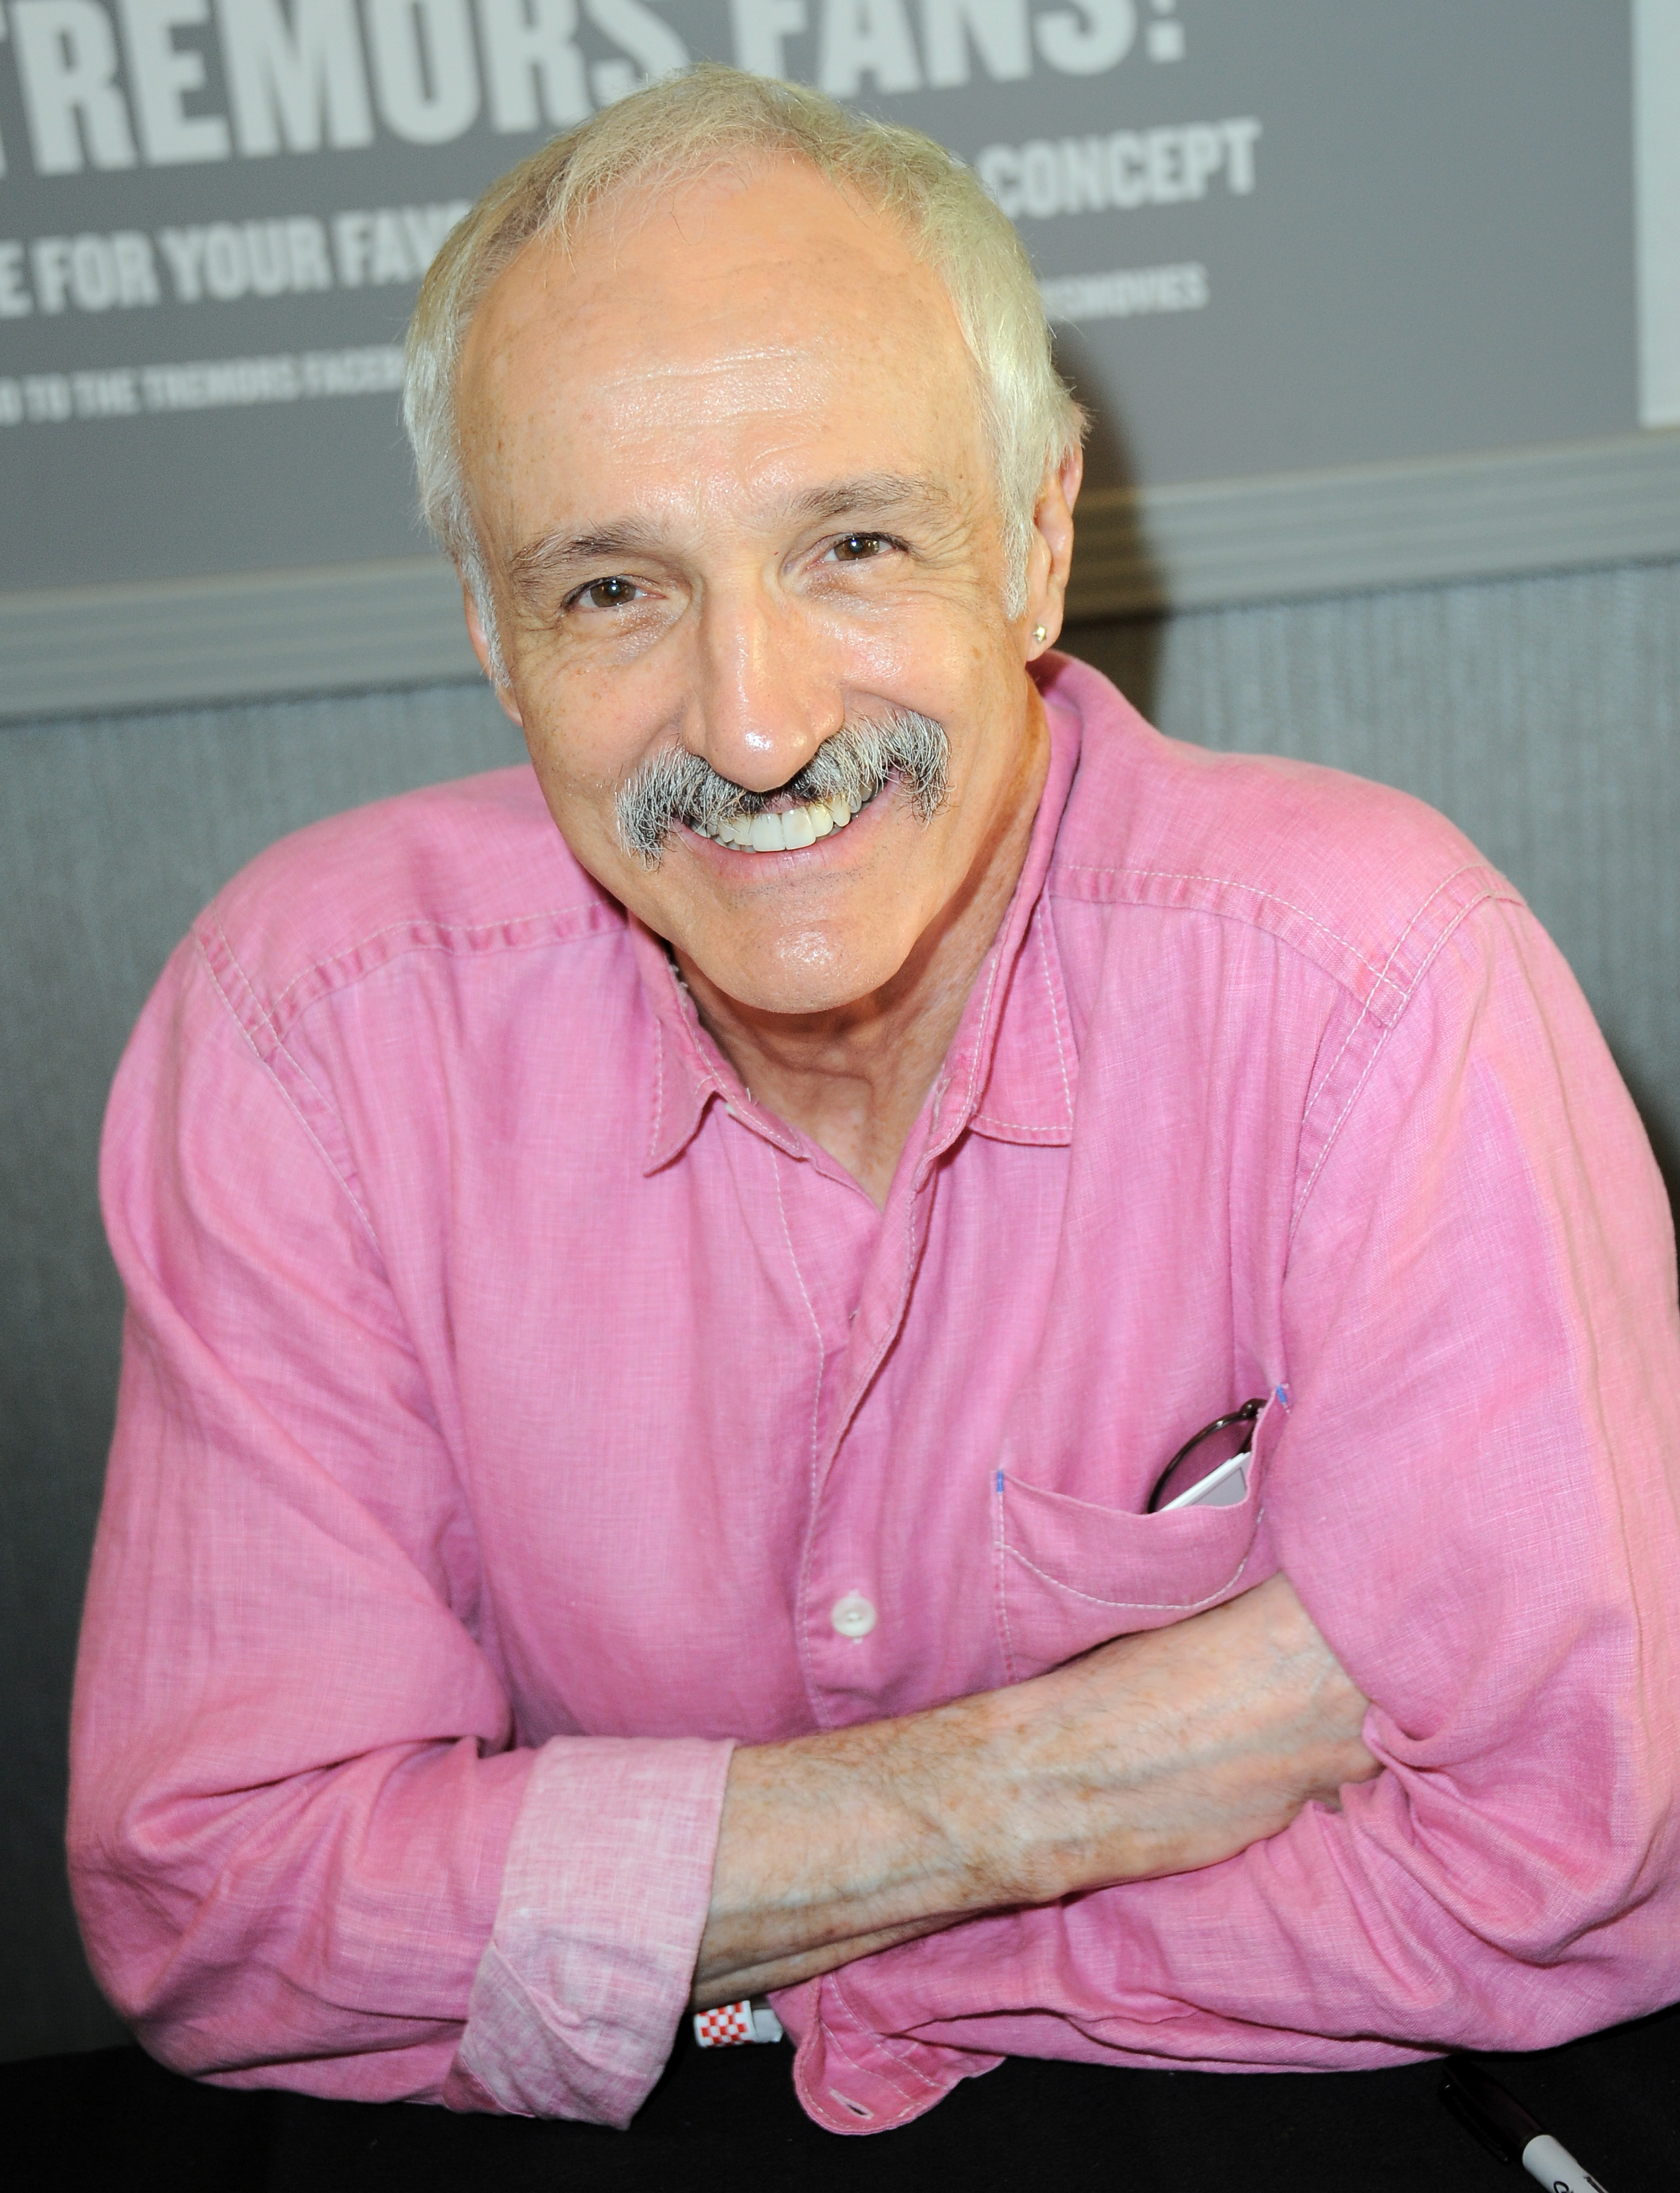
pixel 1010 1072
pixel 688 1068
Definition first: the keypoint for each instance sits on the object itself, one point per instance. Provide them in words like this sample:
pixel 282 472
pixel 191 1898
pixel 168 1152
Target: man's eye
pixel 606 594
pixel 858 548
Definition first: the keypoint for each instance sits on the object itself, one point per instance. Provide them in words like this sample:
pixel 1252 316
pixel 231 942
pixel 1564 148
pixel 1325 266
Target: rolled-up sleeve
pixel 307 1844
pixel 587 1970
pixel 1475 1497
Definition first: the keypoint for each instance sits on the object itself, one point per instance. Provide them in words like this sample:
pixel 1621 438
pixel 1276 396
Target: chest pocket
pixel 1070 1574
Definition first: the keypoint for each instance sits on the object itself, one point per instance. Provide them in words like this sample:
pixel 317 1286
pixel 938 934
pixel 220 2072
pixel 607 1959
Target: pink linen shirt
pixel 509 1401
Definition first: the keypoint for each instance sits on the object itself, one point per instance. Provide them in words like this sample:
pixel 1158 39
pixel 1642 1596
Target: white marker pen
pixel 1507 2131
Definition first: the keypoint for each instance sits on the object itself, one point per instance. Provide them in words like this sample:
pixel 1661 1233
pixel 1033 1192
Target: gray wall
pixel 1540 713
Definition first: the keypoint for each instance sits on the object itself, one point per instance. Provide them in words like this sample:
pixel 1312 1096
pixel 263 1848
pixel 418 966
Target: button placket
pixel 854 1616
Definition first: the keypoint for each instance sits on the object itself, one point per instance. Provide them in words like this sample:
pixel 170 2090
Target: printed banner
pixel 1307 233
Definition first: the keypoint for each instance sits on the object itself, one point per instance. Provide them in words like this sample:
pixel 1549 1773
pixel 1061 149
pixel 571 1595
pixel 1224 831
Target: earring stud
pixel 1039 632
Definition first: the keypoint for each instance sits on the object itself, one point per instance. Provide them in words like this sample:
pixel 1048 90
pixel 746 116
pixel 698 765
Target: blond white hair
pixel 676 130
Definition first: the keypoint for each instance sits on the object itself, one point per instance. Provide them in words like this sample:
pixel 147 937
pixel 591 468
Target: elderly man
pixel 667 1289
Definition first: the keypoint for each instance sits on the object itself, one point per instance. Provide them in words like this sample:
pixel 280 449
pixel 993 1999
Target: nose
pixel 762 704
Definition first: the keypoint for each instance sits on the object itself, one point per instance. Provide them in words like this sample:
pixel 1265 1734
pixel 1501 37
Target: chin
pixel 792 999
pixel 798 979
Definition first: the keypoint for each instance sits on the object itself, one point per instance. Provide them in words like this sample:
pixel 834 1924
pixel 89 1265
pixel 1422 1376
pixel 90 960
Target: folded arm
pixel 1155 1755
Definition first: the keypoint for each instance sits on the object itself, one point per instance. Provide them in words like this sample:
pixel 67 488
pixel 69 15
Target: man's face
pixel 730 473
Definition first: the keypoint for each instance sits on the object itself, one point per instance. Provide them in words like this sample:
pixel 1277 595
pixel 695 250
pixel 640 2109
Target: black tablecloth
pixel 727 2120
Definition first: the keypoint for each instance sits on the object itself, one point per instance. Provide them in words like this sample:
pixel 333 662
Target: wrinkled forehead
pixel 741 312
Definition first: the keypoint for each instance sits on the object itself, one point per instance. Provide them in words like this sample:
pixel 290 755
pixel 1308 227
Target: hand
pixel 1168 1750
pixel 1155 1754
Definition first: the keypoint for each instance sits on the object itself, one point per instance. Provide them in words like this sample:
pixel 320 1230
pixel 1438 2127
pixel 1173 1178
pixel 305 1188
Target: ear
pixel 1051 556
pixel 475 633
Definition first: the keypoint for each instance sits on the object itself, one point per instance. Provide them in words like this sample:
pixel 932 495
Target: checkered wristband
pixel 735 2024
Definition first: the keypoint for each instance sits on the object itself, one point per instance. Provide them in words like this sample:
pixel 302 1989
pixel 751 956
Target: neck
pixel 854 1078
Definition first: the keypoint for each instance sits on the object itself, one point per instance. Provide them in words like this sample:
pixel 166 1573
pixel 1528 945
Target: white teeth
pixel 789 831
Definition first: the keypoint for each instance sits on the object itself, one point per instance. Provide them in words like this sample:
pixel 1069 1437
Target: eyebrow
pixel 870 495
pixel 537 565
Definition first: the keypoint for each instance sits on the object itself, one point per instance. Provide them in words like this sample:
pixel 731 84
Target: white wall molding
pixel 354 627
pixel 343 627
pixel 1426 520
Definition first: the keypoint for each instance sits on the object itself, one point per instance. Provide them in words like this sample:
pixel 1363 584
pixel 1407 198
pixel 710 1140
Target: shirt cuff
pixel 851 2078
pixel 607 1880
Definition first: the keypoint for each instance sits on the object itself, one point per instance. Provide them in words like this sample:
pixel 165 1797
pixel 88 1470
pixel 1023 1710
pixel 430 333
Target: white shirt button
pixel 854 1616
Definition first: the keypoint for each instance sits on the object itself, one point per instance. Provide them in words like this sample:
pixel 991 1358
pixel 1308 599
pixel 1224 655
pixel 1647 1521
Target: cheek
pixel 580 744
pixel 961 672
pixel 596 714
pixel 920 641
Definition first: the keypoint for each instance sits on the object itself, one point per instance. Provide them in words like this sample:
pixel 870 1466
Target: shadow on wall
pixel 1110 473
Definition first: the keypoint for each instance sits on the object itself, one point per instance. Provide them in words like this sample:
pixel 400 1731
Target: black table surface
pixel 728 2118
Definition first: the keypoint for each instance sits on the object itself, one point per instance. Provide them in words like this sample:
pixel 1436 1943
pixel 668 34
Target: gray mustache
pixel 851 764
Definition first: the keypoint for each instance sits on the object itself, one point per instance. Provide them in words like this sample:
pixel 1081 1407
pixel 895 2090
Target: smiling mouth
pixel 848 772
pixel 783 830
